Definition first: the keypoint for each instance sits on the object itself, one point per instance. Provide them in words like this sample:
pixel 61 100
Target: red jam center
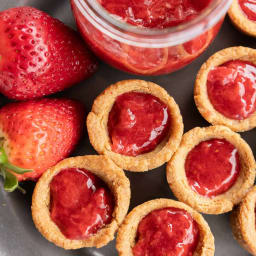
pixel 137 123
pixel 249 8
pixel 81 203
pixel 154 13
pixel 212 167
pixel 167 232
pixel 232 89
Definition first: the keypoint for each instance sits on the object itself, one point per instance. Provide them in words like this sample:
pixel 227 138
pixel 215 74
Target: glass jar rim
pixel 152 38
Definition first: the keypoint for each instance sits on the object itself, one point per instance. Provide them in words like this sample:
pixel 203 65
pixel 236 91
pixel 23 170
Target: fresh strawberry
pixel 39 55
pixel 35 135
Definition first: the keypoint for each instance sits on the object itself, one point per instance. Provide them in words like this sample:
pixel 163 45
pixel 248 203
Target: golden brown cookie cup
pixel 103 168
pixel 177 180
pixel 240 20
pixel 243 222
pixel 98 131
pixel 202 100
pixel 126 237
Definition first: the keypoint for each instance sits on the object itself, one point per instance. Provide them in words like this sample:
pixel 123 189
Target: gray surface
pixel 18 235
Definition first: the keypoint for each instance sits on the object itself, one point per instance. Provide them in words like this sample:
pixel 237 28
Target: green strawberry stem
pixel 16 169
pixel 10 180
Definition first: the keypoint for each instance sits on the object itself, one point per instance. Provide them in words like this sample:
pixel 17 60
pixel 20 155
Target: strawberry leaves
pixel 10 181
pixel 6 171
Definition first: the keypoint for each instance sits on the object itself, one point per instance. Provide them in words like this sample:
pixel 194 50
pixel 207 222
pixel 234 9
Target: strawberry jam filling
pixel 154 13
pixel 137 123
pixel 81 203
pixel 232 89
pixel 167 232
pixel 249 8
pixel 212 167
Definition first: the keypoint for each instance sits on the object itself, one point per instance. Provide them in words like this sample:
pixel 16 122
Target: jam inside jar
pixel 81 203
pixel 136 37
pixel 154 13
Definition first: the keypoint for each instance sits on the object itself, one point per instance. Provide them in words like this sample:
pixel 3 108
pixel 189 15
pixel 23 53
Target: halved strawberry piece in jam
pixel 144 60
pixel 198 44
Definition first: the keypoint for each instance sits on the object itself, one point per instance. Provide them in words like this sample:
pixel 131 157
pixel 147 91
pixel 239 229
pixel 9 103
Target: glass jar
pixel 147 51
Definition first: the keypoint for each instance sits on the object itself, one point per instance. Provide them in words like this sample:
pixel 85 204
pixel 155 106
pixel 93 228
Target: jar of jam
pixel 149 37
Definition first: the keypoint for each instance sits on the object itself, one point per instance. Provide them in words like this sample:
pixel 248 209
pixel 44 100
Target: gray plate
pixel 18 236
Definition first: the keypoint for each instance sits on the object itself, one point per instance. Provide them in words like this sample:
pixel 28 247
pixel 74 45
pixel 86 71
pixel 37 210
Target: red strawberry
pixel 39 55
pixel 37 134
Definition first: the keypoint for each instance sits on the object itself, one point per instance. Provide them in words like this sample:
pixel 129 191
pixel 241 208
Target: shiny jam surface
pixel 137 123
pixel 212 167
pixel 167 232
pixel 154 13
pixel 232 89
pixel 81 203
pixel 147 14
pixel 249 8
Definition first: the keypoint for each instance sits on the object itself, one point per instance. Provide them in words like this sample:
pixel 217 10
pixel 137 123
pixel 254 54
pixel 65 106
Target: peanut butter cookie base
pixel 202 100
pixel 243 222
pixel 98 131
pixel 240 20
pixel 176 175
pixel 103 168
pixel 126 237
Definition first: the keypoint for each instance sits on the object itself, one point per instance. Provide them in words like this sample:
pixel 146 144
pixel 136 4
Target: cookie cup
pixel 243 222
pixel 108 172
pixel 176 174
pixel 240 20
pixel 126 237
pixel 98 130
pixel 201 98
